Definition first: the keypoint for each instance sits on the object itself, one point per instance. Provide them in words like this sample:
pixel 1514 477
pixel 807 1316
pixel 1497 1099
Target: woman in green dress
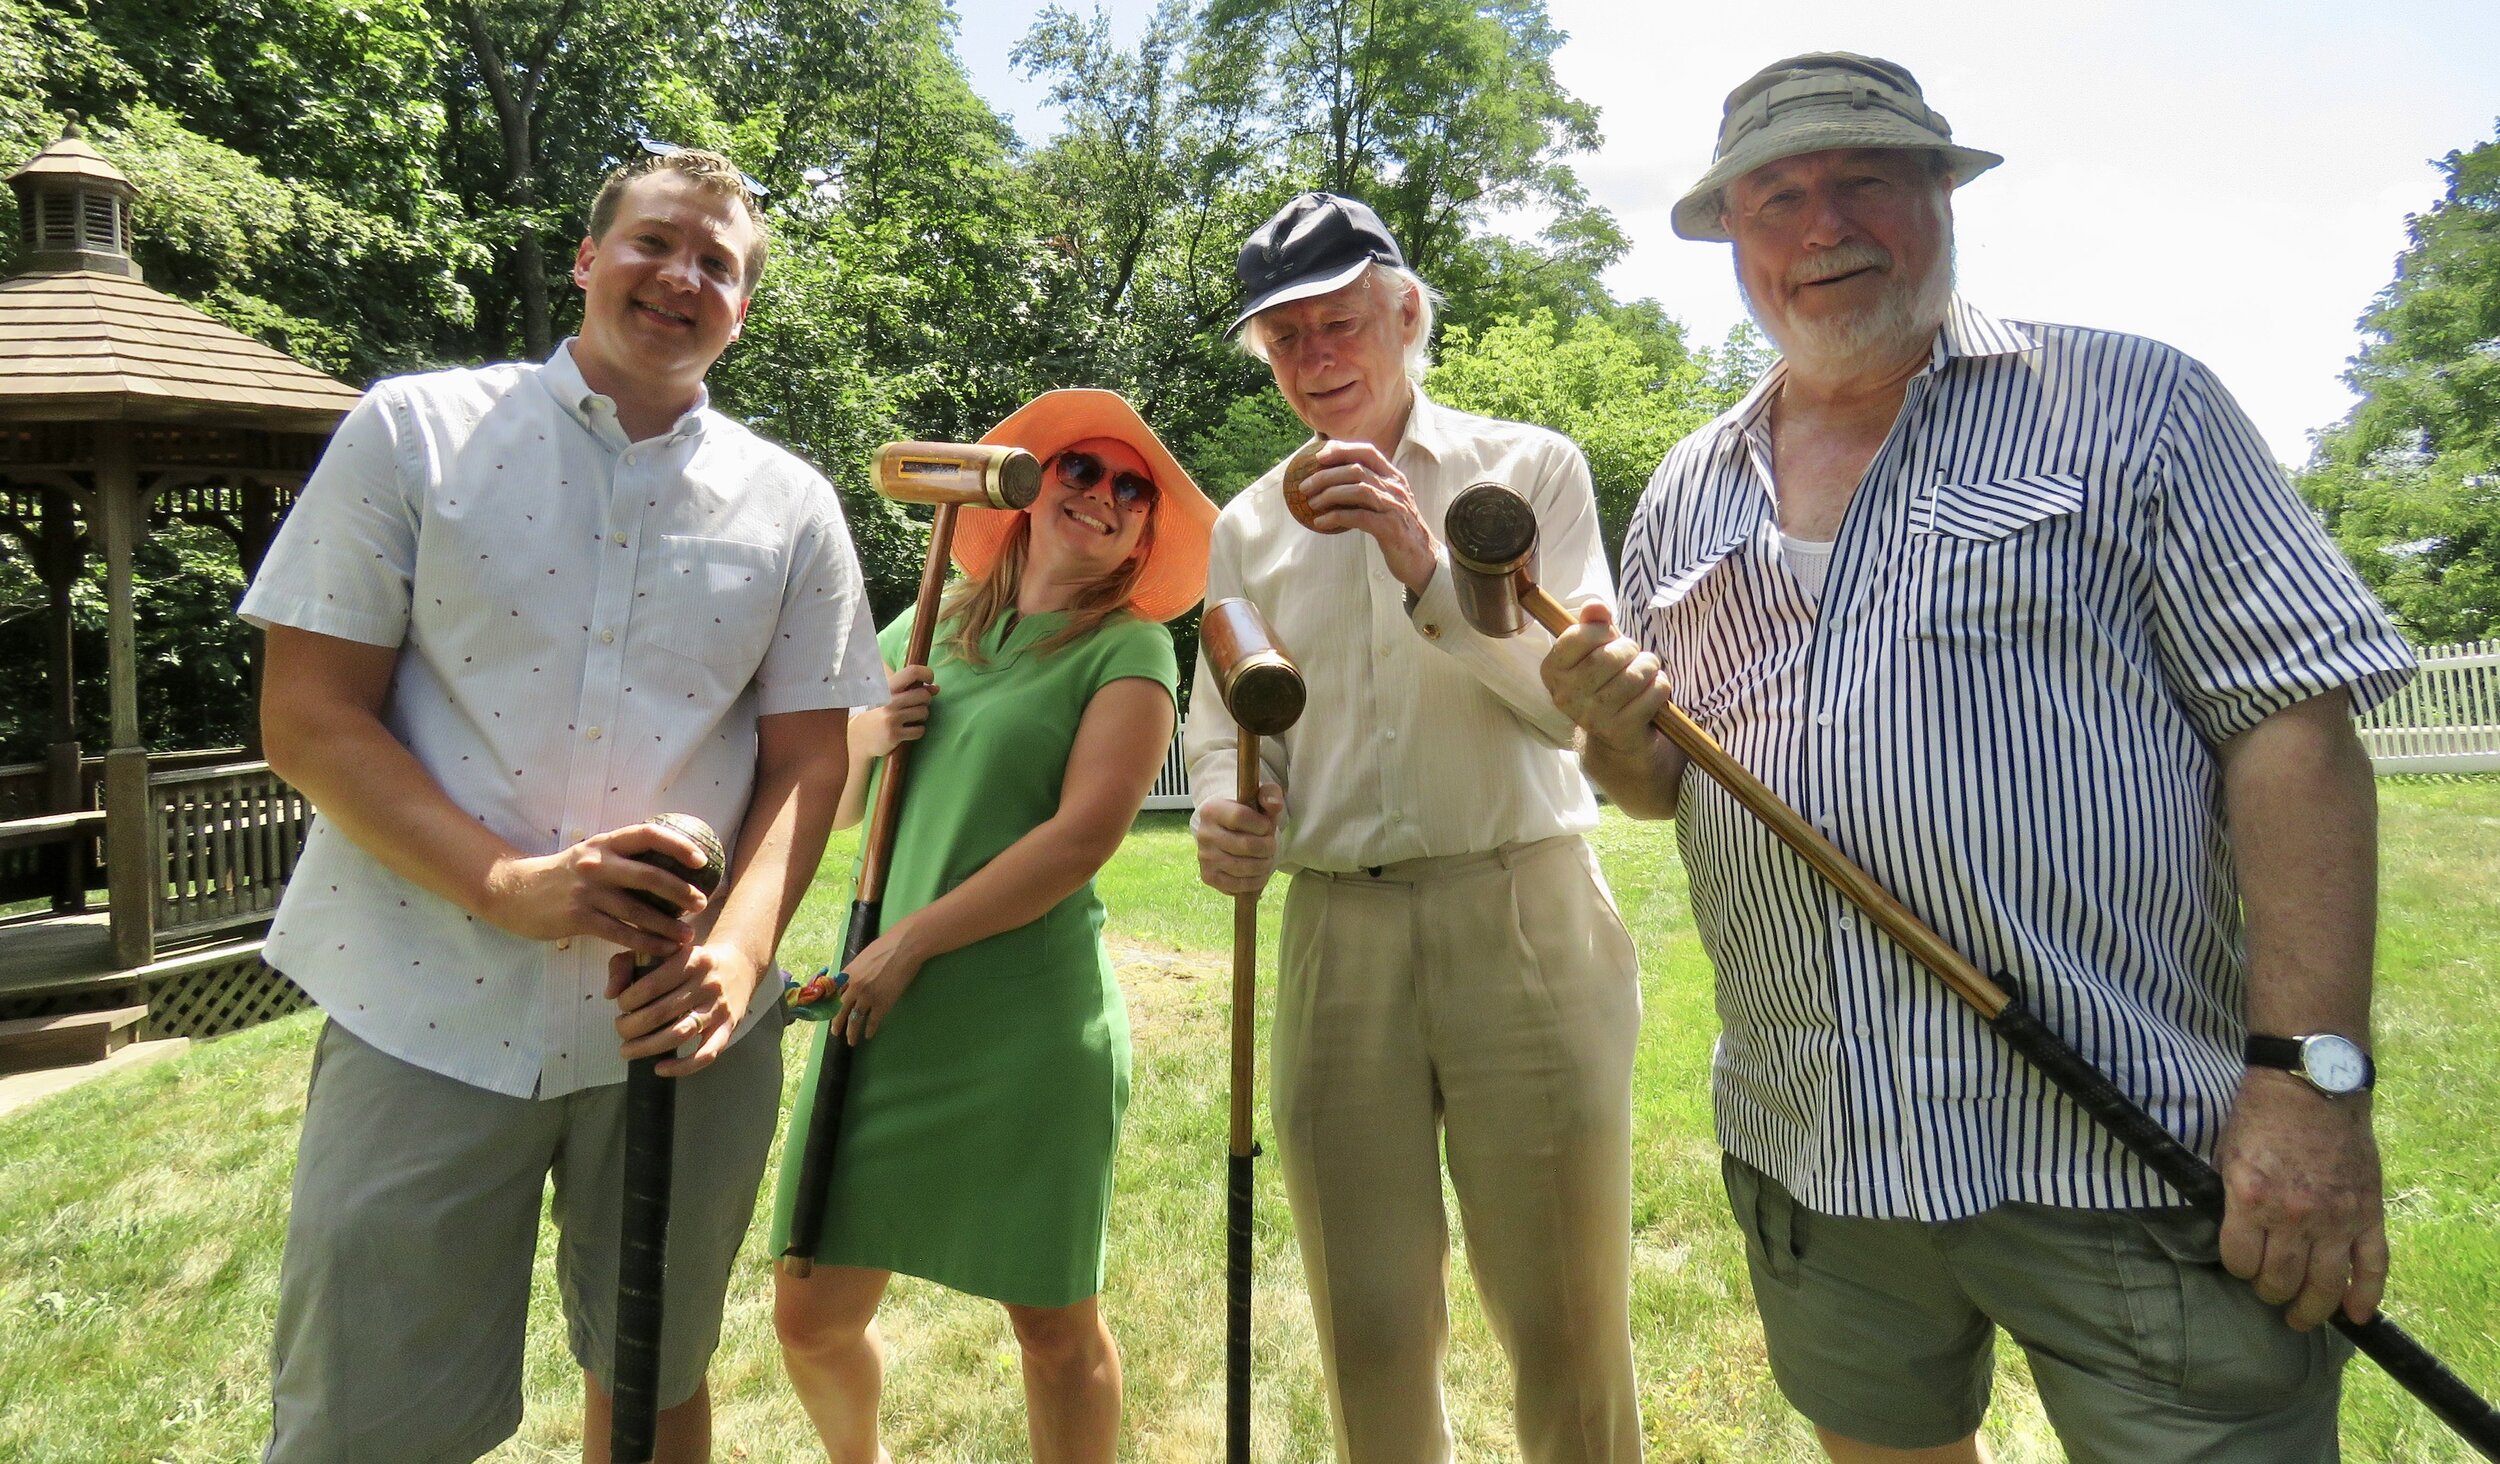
pixel 992 1061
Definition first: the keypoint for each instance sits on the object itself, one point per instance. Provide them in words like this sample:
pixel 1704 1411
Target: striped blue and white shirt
pixel 2070 573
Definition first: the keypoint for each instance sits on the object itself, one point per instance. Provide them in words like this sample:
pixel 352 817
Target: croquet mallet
pixel 949 476
pixel 1263 691
pixel 650 1155
pixel 1492 538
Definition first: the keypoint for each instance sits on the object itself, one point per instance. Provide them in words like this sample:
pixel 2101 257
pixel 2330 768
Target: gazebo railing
pixel 229 837
pixel 26 788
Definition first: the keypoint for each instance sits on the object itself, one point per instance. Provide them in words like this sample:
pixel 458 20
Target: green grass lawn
pixel 141 1215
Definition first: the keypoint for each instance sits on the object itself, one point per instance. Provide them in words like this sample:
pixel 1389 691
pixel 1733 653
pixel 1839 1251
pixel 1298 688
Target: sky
pixel 2232 178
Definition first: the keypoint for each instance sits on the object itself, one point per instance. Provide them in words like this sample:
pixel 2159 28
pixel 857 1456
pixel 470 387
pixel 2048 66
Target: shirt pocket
pixel 1692 625
pixel 711 601
pixel 1992 560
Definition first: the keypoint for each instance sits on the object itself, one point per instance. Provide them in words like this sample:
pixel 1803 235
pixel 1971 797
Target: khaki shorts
pixel 2144 1349
pixel 406 1284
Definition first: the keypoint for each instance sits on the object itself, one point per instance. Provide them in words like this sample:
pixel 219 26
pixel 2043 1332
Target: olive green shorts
pixel 2143 1348
pixel 413 1233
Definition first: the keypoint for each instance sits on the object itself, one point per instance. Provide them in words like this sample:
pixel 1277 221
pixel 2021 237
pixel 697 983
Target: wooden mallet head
pixel 705 876
pixel 1491 532
pixel 1259 683
pixel 966 474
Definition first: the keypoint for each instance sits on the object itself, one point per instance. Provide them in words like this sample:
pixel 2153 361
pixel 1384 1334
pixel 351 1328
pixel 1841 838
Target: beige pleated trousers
pixel 1490 1001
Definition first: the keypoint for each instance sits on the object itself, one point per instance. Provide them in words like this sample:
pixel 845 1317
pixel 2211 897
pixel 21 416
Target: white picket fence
pixel 2447 720
pixel 1171 789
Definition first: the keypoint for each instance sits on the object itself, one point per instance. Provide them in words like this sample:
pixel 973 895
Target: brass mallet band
pixel 1492 537
pixel 1257 680
pixel 970 474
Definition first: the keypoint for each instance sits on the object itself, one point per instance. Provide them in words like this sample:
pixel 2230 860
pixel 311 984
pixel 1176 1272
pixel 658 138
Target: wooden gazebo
pixel 123 409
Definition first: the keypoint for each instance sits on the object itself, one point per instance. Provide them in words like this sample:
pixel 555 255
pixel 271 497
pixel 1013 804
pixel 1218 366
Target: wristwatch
pixel 2335 1066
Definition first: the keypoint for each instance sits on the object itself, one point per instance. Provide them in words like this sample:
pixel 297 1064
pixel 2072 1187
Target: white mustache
pixel 1845 259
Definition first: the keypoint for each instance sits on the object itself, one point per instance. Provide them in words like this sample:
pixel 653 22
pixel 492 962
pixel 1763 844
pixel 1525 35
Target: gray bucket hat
pixel 1806 104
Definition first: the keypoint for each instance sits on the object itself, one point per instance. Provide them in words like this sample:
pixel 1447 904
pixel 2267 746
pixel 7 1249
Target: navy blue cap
pixel 1317 243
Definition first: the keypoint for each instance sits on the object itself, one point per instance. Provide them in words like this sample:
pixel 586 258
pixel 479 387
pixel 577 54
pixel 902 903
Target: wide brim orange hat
pixel 1175 576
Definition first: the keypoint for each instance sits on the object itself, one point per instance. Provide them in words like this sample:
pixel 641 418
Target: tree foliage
pixel 2409 484
pixel 1622 385
pixel 382 185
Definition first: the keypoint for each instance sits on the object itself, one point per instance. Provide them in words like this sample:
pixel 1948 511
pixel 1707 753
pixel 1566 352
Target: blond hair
pixel 712 172
pixel 972 608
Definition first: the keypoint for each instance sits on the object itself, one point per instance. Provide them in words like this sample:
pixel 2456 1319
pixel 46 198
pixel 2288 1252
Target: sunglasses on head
pixel 1082 470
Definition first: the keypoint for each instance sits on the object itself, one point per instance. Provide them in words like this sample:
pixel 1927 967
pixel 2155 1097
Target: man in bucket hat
pixel 2023 618
pixel 1451 965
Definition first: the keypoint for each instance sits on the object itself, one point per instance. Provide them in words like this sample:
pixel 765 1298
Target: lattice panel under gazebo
pixel 215 1000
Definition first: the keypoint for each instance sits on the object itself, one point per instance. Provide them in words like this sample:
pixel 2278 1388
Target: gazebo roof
pixel 76 158
pixel 82 345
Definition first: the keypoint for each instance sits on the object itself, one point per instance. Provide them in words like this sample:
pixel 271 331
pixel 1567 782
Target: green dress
pixel 978 1133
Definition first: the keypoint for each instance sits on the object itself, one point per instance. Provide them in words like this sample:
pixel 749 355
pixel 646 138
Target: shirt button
pixel 1431 631
pixel 607 637
pixel 1391 734
pixel 1822 719
pixel 565 944
pixel 1861 1029
pixel 593 734
pixel 574 834
pixel 617 539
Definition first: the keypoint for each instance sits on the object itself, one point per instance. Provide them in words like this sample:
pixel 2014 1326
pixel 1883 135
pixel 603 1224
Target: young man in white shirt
pixel 1452 965
pixel 516 612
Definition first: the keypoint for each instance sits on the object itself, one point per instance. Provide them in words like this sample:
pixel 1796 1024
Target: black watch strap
pixel 2291 1055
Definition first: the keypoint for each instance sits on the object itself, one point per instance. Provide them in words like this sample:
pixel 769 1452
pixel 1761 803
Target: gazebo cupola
pixel 73 209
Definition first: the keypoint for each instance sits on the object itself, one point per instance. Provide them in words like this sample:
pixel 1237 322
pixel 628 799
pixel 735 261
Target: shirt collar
pixel 1970 331
pixel 562 377
pixel 1427 428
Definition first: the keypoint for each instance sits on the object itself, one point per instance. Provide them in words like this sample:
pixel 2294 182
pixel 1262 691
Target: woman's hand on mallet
pixel 1605 683
pixel 1237 843
pixel 874 981
pixel 905 716
pixel 587 890
pixel 1355 486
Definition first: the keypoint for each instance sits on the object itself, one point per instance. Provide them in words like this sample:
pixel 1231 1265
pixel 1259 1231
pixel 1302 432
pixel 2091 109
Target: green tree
pixel 1624 388
pixel 2409 483
pixel 1441 114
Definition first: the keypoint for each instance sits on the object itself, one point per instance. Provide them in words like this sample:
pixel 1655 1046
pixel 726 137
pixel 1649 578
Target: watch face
pixel 2335 1064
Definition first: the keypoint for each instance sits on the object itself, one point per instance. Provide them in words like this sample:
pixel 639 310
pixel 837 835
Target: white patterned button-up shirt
pixel 588 629
pixel 1421 738
pixel 2071 572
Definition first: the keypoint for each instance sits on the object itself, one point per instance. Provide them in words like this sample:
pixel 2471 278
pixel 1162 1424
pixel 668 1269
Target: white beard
pixel 1899 325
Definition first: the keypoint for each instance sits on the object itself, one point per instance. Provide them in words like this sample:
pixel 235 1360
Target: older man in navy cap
pixel 2025 619
pixel 1452 964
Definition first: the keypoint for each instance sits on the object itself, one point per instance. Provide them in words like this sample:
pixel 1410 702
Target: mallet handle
pixel 876 855
pixel 642 1260
pixel 1239 1205
pixel 2390 1346
pixel 1967 981
pixel 1245 961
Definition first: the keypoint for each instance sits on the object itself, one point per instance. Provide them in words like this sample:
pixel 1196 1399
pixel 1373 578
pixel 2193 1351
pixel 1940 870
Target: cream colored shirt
pixel 1420 737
